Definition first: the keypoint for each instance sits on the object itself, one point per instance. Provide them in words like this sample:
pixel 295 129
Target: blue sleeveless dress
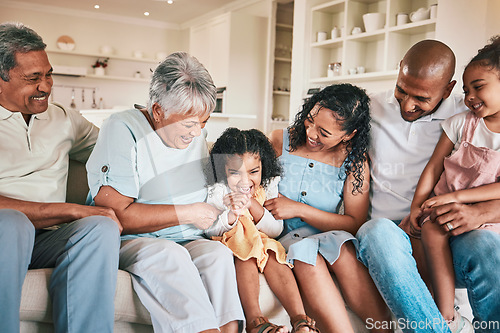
pixel 318 185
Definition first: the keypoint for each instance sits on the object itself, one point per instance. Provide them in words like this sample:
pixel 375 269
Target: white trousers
pixel 188 288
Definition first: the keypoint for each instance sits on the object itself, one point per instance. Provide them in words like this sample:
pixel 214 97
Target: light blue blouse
pixel 311 182
pixel 318 185
pixel 130 157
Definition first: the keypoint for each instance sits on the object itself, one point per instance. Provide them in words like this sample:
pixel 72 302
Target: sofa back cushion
pixel 77 188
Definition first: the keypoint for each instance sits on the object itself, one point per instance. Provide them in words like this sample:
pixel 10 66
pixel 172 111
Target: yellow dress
pixel 247 242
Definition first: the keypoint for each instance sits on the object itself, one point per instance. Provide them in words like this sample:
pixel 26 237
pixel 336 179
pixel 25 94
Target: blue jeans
pixel 84 255
pixel 476 258
pixel 385 249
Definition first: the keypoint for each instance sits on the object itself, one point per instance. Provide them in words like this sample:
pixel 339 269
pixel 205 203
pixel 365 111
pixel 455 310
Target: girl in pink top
pixel 470 174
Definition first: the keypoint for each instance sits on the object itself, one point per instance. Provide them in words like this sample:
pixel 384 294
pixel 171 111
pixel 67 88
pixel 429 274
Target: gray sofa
pixel 130 314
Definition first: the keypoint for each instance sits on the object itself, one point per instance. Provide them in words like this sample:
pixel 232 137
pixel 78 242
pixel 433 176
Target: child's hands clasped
pixel 236 202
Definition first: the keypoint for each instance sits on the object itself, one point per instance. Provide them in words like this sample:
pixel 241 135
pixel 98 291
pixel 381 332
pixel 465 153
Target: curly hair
pixel 489 55
pixel 238 142
pixel 350 105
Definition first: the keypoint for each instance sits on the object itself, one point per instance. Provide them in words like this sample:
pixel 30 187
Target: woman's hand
pixel 440 200
pixel 200 214
pixel 283 208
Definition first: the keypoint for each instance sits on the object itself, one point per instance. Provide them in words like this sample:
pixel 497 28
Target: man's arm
pixel 44 215
pixel 464 217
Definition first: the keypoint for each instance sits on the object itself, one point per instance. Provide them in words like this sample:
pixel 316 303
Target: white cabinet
pixel 234 51
pixel 209 43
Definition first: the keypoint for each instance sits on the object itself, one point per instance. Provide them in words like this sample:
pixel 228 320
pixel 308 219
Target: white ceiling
pixel 177 13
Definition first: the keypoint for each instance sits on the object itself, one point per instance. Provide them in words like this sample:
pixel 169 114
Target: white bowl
pixel 106 49
pixel 160 55
pixel 138 54
pixel 373 21
pixel 66 46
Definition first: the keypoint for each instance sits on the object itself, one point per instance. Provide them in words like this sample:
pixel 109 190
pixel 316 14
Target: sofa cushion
pixel 36 305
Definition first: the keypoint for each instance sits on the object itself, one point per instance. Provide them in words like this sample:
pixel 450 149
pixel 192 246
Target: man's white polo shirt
pixel 400 150
pixel 34 157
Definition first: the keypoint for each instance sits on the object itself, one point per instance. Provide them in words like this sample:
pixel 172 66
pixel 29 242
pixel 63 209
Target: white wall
pixel 466 26
pixel 247 69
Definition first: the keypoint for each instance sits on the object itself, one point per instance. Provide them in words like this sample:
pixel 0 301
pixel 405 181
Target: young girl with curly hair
pixel 324 156
pixel 243 172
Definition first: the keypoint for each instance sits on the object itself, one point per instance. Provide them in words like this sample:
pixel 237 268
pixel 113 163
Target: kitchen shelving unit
pixel 115 68
pixel 282 66
pixel 379 52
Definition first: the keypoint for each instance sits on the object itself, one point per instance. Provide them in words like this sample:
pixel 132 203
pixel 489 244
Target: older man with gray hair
pixel 37 228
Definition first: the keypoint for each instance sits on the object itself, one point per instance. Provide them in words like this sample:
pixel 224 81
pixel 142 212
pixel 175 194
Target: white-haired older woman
pixel 148 167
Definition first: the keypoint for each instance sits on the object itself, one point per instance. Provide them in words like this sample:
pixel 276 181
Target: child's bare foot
pixel 302 323
pixel 262 325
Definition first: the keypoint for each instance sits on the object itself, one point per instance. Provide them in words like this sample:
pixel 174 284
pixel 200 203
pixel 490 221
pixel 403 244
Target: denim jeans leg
pixel 17 235
pixel 476 258
pixel 386 251
pixel 84 255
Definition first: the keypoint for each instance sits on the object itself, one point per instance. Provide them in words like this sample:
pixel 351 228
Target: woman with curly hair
pixel 242 173
pixel 324 157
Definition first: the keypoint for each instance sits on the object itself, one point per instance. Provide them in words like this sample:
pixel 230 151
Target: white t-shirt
pixel 34 156
pixel 400 150
pixel 483 137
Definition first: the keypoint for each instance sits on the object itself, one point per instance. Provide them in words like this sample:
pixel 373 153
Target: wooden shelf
pixel 287 60
pixel 234 116
pixel 284 27
pixel 97 55
pixel 374 76
pixel 415 27
pixel 116 78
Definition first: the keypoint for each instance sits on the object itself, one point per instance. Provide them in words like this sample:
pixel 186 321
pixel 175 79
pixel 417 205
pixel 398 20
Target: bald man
pixel 405 129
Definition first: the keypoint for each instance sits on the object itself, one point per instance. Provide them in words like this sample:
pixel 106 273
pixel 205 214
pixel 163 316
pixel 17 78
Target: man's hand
pixel 461 218
pixel 414 217
pixel 82 211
